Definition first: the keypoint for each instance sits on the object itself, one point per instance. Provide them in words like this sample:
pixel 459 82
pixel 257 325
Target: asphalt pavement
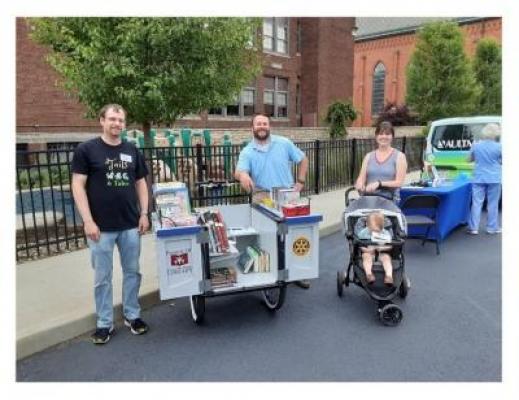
pixel 450 332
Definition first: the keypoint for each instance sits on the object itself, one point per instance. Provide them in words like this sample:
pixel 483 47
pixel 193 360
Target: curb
pixel 53 336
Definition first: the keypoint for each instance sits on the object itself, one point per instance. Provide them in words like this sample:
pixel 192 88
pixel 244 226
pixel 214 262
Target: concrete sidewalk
pixel 54 296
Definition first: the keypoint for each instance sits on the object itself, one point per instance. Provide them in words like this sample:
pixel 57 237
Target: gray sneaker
pixel 494 232
pixel 472 232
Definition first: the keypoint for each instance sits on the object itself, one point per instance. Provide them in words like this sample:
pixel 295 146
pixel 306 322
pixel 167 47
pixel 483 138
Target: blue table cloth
pixel 455 198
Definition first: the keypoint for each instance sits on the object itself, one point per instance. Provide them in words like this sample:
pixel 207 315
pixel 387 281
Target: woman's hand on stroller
pixel 360 187
pixel 371 187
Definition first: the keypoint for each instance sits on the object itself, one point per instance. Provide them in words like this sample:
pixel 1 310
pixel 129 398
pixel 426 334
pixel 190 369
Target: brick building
pixel 383 47
pixel 307 63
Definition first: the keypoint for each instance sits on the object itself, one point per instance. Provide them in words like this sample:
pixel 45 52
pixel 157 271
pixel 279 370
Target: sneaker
pixel 102 335
pixel 137 326
pixel 472 232
pixel 305 283
pixel 494 232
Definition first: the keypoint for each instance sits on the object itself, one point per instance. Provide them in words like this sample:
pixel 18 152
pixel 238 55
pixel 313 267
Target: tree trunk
pixel 146 128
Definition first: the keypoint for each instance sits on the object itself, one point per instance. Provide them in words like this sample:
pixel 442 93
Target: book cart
pixel 266 251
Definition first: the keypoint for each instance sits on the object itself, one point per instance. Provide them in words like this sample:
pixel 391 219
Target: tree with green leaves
pixel 440 80
pixel 487 67
pixel 158 69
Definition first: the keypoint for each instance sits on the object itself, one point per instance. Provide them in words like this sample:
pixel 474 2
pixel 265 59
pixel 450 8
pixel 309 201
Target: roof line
pixel 412 29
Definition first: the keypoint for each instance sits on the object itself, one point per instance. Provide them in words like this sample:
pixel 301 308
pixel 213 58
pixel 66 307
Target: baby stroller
pixel 394 221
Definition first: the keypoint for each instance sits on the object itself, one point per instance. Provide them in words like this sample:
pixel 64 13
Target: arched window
pixel 377 96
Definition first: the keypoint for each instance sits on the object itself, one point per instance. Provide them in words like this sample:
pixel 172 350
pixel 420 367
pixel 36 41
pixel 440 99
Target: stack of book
pixel 223 277
pixel 218 241
pixel 254 259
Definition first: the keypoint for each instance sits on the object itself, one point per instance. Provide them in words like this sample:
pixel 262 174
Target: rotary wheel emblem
pixel 301 246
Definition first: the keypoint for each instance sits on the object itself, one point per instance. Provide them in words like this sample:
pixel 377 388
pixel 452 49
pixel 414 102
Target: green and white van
pixel 449 142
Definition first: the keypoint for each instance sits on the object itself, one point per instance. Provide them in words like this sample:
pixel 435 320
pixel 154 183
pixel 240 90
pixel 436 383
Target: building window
pixel 275 97
pixel 377 96
pixel 275 35
pixel 242 105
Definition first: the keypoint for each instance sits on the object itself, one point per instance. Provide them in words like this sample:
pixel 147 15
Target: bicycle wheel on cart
pixel 274 297
pixel 197 308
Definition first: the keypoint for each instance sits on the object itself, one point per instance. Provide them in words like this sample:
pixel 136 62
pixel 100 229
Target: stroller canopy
pixel 372 202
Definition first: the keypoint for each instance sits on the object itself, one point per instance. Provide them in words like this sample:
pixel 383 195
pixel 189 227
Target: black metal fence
pixel 48 223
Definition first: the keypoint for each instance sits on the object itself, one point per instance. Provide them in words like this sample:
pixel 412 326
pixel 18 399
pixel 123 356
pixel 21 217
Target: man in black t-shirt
pixel 110 191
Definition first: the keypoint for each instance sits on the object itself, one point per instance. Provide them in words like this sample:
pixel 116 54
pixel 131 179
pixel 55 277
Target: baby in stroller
pixel 375 232
pixel 375 229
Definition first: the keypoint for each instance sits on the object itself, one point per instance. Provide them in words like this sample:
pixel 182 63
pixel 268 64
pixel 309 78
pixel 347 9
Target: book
pixel 223 277
pixel 218 240
pixel 245 262
pixel 255 256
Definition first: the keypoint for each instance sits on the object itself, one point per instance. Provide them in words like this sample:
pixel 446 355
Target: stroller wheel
pixel 403 290
pixel 340 281
pixel 390 315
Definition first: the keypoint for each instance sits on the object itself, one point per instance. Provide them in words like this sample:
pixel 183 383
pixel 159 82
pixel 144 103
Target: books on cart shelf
pixel 222 259
pixel 223 277
pixel 254 259
pixel 218 240
pixel 172 204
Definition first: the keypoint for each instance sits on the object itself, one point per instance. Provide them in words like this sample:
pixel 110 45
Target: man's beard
pixel 255 132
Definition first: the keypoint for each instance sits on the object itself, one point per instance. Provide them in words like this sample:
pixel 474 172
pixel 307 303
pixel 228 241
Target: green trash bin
pixel 140 139
pixel 185 135
pixel 207 141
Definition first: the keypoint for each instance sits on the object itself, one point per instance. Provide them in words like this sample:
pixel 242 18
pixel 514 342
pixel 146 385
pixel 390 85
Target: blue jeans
pixel 493 193
pixel 129 245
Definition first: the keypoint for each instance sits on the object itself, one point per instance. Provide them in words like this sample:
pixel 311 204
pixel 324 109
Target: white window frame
pixel 275 92
pixel 241 105
pixel 274 38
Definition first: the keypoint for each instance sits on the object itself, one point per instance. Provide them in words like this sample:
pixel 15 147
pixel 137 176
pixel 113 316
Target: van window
pixel 456 137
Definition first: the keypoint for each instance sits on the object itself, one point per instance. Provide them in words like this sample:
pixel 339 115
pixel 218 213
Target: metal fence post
pixel 353 159
pixel 200 171
pixel 404 143
pixel 316 166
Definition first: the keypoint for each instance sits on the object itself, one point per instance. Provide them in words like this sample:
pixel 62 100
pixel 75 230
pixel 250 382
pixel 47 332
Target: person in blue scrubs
pixel 486 179
pixel 266 163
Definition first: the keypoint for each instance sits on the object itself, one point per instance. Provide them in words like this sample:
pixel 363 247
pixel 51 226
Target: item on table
pixel 259 195
pixel 286 195
pixel 296 208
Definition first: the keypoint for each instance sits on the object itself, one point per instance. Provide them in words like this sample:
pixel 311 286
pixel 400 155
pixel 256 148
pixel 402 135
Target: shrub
pixel 398 115
pixel 340 115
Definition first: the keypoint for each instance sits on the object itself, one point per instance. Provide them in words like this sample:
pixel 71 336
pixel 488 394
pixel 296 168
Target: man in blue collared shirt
pixel 265 163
